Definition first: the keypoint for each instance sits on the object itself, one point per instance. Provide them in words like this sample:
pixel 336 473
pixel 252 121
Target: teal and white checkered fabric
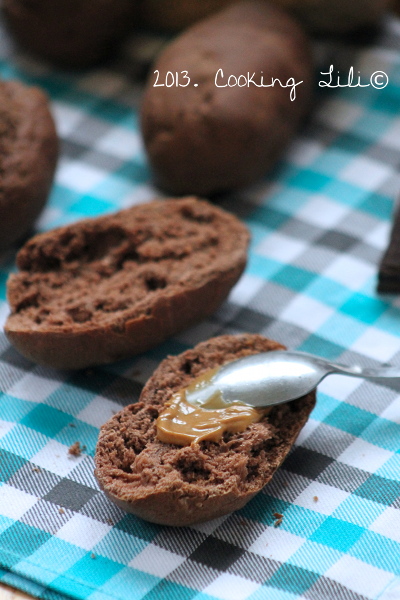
pixel 319 225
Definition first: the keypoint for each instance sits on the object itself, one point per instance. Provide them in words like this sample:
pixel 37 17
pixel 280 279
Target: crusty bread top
pixel 101 272
pixel 177 485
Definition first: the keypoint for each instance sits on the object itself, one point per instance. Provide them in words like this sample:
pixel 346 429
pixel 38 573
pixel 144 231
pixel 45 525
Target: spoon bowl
pixel 269 378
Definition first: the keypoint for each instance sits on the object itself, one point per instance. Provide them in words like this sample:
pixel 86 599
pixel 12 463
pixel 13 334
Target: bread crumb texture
pixel 177 485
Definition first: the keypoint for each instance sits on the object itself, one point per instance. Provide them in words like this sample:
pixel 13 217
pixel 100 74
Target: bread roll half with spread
pixel 175 484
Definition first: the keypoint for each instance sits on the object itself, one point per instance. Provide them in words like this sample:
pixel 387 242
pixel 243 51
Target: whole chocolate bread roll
pixel 318 16
pixel 183 485
pixel 28 157
pixel 70 33
pixel 336 16
pixel 175 15
pixel 203 138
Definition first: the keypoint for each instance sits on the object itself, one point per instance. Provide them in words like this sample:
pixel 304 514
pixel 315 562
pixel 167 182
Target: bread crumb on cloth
pixel 76 449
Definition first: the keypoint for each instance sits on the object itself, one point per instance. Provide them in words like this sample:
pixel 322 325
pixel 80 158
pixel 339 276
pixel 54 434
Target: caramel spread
pixel 183 423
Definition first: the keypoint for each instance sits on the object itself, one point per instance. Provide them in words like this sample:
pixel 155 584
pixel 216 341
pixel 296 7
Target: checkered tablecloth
pixel 319 224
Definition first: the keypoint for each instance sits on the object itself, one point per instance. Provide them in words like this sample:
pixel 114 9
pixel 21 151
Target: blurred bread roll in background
pixel 318 16
pixel 175 15
pixel 206 137
pixel 69 33
pixel 335 16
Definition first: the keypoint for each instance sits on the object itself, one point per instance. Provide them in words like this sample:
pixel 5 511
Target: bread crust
pixel 28 157
pixel 108 288
pixel 174 485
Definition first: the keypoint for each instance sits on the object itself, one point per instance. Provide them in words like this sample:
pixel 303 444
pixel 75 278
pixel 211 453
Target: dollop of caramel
pixel 183 423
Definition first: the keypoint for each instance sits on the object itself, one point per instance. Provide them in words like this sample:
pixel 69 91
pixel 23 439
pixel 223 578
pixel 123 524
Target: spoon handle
pixel 356 371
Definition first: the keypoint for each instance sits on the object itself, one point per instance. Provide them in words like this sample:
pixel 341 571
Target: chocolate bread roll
pixel 175 15
pixel 28 157
pixel 107 288
pixel 182 485
pixel 318 16
pixel 70 33
pixel 335 16
pixel 206 134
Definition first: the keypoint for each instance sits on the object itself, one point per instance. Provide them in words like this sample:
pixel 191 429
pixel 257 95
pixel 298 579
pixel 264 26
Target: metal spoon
pixel 274 377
